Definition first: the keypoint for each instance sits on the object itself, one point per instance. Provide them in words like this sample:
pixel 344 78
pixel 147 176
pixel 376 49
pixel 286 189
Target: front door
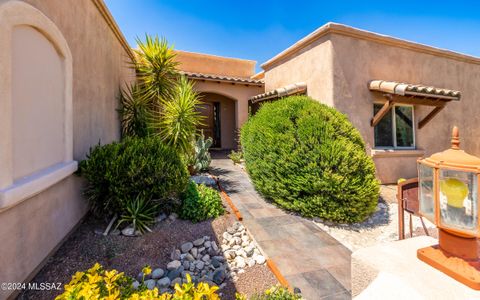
pixel 211 121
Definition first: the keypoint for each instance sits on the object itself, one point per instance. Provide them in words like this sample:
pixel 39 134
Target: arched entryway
pixel 220 119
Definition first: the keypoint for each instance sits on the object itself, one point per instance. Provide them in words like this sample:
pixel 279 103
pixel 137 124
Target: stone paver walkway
pixel 309 258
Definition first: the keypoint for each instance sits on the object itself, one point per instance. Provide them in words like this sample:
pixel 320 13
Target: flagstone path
pixel 308 257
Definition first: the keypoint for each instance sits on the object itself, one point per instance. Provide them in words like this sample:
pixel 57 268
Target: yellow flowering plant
pixel 97 283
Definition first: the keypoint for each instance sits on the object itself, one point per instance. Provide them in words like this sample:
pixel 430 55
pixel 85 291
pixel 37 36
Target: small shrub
pixel 97 283
pixel 307 157
pixel 274 293
pixel 118 173
pixel 236 157
pixel 200 203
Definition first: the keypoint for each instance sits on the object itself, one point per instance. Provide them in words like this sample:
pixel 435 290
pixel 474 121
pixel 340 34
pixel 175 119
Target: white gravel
pixel 381 227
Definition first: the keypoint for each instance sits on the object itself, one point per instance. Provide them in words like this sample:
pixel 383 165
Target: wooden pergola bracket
pixel 382 112
pixel 430 116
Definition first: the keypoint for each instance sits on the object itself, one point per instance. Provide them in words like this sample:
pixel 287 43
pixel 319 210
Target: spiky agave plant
pixel 179 117
pixel 156 67
pixel 135 111
pixel 140 213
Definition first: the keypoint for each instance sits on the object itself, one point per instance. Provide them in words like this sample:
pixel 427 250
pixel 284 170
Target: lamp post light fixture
pixel 448 197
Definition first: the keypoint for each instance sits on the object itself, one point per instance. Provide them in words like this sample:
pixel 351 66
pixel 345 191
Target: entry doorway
pixel 211 122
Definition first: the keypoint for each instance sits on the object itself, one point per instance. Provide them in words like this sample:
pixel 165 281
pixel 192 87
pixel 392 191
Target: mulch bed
pixel 130 254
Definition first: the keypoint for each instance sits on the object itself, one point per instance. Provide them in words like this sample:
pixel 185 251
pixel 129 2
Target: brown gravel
pixel 130 254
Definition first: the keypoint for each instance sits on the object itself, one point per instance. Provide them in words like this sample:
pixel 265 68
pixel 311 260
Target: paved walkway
pixel 308 257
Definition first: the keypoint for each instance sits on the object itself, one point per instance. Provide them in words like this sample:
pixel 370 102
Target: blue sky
pixel 259 29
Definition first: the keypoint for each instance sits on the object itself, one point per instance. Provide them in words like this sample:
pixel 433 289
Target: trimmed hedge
pixel 120 172
pixel 308 158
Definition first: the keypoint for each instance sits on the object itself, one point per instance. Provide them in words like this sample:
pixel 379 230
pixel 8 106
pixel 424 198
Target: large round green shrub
pixel 307 157
pixel 120 172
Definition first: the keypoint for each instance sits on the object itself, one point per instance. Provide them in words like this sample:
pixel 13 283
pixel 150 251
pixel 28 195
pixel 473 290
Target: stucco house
pixel 63 61
pixel 404 97
pixel 61 66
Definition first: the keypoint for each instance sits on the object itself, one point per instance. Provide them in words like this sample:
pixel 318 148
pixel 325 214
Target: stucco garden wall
pixel 33 228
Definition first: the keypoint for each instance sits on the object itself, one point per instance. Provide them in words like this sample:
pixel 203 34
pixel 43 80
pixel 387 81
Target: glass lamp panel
pixel 458 200
pixel 425 182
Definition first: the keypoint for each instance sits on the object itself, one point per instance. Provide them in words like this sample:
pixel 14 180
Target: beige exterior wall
pixel 211 64
pixel 358 61
pixel 312 65
pixel 338 65
pixel 32 228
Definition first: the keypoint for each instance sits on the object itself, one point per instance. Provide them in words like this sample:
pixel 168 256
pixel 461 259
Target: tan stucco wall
pixel 211 64
pixel 312 65
pixel 337 68
pixel 37 73
pixel 357 61
pixel 228 134
pixel 33 228
pixel 238 92
pixel 100 66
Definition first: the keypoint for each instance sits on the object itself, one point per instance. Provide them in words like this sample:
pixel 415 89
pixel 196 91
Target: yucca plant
pixel 156 67
pixel 179 117
pixel 135 111
pixel 139 212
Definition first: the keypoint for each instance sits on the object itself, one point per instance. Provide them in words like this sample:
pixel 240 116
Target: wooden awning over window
pixel 414 94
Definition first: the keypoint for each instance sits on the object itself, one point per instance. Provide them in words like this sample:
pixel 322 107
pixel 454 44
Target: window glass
pixel 384 129
pixel 404 126
pixel 395 129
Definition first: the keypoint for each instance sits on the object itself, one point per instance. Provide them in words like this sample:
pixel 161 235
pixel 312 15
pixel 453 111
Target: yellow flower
pixel 146 270
pixel 96 267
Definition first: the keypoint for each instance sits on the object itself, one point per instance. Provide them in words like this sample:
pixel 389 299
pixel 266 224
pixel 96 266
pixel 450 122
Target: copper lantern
pixel 448 197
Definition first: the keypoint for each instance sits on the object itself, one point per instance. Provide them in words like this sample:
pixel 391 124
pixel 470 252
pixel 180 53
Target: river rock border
pixel 206 262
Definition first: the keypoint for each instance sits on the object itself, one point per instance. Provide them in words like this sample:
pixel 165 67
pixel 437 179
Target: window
pixel 395 129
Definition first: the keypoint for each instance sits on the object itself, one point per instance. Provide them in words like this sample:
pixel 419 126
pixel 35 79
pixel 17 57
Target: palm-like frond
pixel 179 116
pixel 135 111
pixel 156 67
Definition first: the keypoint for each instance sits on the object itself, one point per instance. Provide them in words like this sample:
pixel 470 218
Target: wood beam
pixel 417 101
pixel 430 116
pixel 382 112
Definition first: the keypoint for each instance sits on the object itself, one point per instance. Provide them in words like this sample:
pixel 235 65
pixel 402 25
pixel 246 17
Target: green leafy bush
pixel 273 293
pixel 200 203
pixel 307 157
pixel 236 156
pixel 118 173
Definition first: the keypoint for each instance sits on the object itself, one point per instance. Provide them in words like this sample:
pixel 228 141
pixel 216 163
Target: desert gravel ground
pixel 129 254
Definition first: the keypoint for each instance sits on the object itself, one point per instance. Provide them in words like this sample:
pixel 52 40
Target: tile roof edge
pixel 215 77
